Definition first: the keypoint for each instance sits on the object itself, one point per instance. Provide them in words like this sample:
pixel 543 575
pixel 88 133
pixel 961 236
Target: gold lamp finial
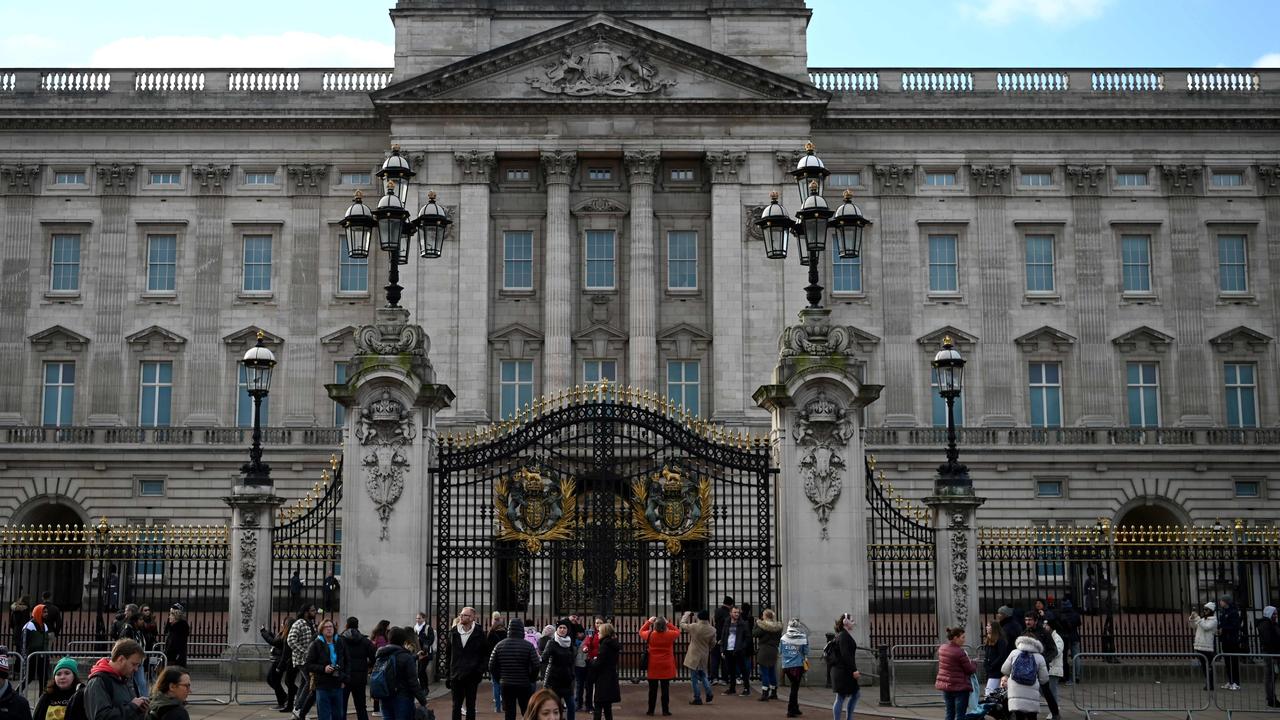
pixel 395 147
pixel 809 147
pixel 946 340
pixel 431 195
pixel 848 194
pixel 773 196
pixel 359 196
pixel 391 184
pixel 261 335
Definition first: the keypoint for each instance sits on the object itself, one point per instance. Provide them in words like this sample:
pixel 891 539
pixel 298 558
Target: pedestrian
pixel 514 666
pixel 379 639
pixel 326 665
pixel 954 670
pixel 112 595
pixel 748 652
pixel 176 633
pixel 150 631
pixel 720 618
pixel 734 639
pixel 497 633
pixel 402 667
pixel 766 634
pixel 35 639
pixel 1205 624
pixel 557 664
pixel 702 638
pixel 132 630
pixel 1269 644
pixel 1057 665
pixel 660 638
pixel 1069 628
pixel 1009 625
pixel 110 693
pixel 545 705
pixel 360 653
pixel 13 704
pixel 1050 650
pixel 794 649
pixel 1231 636
pixel 579 668
pixel 995 648
pixel 330 586
pixel 466 658
pixel 592 644
pixel 169 696
pixel 607 691
pixel 52 617
pixel 281 661
pixel 426 637
pixel 52 704
pixel 295 589
pixel 121 627
pixel 301 634
pixel 845 676
pixel 1024 672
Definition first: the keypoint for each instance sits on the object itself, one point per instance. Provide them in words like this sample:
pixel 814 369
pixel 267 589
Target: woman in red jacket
pixel 954 669
pixel 660 637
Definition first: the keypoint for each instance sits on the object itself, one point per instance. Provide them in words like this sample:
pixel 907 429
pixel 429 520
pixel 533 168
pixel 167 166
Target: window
pixel 1039 263
pixel 165 178
pixel 356 178
pixel 155 394
pixel 1049 488
pixel 1037 179
pixel 1135 263
pixel 517 260
pixel 940 407
pixel 64 275
pixel 598 174
pixel 259 178
pixel 845 180
pixel 162 263
pixel 353 273
pixel 1046 394
pixel 682 260
pixel 1242 394
pixel 59 394
pixel 257 263
pixel 683 384
pixel 682 174
pixel 518 174
pixel 846 274
pixel 593 371
pixel 68 178
pixel 339 377
pixel 516 385
pixel 600 260
pixel 940 179
pixel 244 403
pixel 1248 488
pixel 151 487
pixel 1131 179
pixel 1143 389
pixel 1228 179
pixel 943 277
pixel 1233 270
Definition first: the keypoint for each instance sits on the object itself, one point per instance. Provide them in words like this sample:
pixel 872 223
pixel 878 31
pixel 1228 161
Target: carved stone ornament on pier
pixel 384 428
pixel 960 568
pixel 822 428
pixel 476 167
pixel 248 567
pixel 210 177
pixel 116 177
pixel 1086 176
pixel 19 178
pixel 601 70
pixel 389 339
pixel 816 336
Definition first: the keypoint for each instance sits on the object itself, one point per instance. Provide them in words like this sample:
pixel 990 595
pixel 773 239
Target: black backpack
pixel 831 653
pixel 75 706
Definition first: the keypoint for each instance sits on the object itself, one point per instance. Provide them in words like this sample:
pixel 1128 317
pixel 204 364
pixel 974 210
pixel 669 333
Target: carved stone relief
pixel 641 166
pixel 19 178
pixel 723 166
pixel 210 177
pixel 601 70
pixel 824 429
pixel 817 336
pixel 248 569
pixel 558 165
pixel 384 428
pixel 1086 177
pixel 959 532
pixel 475 166
pixel 389 339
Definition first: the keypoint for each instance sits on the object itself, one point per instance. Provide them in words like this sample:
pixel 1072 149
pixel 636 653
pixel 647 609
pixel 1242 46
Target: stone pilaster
pixel 1189 297
pixel 302 295
pixel 729 403
pixel 253 511
pixel 1269 185
pixel 558 269
pixel 476 173
pixel 991 185
pixel 1094 369
pixel 642 343
pixel 206 355
pixel 894 186
pixel 108 263
pixel 18 185
pixel 822 511
pixel 956 571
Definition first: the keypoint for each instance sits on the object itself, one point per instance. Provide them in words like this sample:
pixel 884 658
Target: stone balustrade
pixel 85 81
pixel 170 436
pixel 1072 436
pixel 1084 81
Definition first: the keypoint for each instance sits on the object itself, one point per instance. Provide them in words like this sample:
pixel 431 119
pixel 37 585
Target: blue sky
pixel 898 33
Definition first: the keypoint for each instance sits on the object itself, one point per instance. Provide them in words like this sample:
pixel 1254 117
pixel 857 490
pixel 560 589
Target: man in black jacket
pixel 13 706
pixel 735 640
pixel 514 666
pixel 1269 643
pixel 720 618
pixel 465 656
pixel 360 652
pixel 1045 636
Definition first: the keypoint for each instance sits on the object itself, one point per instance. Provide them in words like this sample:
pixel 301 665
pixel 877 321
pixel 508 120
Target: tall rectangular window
pixel 353 273
pixel 1233 270
pixel 1142 382
pixel 516 387
pixel 939 408
pixel 1135 263
pixel 64 270
pixel 1242 394
pixel 846 274
pixel 1039 263
pixel 943 261
pixel 683 383
pixel 517 260
pixel 155 394
pixel 940 178
pixel 682 260
pixel 1131 179
pixel 244 403
pixel 339 412
pixel 257 263
pixel 593 371
pixel 1046 394
pixel 600 259
pixel 59 394
pixel 162 263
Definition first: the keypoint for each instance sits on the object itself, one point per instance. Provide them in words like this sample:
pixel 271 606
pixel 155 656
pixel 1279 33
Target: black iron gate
pixel 306 551
pixel 901 547
pixel 602 502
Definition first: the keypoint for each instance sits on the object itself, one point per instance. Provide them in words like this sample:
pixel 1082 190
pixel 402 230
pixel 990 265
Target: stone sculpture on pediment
pixel 601 70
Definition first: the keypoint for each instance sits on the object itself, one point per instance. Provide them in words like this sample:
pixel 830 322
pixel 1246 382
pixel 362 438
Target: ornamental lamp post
pixel 397 169
pixel 258 363
pixel 948 376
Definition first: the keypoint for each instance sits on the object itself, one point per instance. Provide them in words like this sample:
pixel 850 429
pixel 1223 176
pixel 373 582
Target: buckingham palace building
pixel 1102 245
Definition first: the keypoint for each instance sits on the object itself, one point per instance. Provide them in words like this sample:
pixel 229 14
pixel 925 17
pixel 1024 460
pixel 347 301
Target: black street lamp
pixel 812 222
pixel 390 222
pixel 948 376
pixel 258 363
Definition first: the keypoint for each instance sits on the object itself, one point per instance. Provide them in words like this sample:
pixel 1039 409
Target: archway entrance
pixel 45 553
pixel 1157 584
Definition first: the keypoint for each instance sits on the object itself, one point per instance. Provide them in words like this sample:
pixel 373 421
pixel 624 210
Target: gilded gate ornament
pixel 533 509
pixel 671 508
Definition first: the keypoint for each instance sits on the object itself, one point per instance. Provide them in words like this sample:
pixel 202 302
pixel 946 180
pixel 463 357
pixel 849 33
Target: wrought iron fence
pixel 901 566
pixel 306 550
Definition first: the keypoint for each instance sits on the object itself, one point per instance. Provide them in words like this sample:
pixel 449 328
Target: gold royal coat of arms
pixel 533 509
pixel 671 508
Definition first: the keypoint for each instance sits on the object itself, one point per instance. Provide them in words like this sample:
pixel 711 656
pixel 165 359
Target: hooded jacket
pixel 109 695
pixel 1026 698
pixel 360 654
pixel 766 634
pixel 13 706
pixel 954 668
pixel 514 661
pixel 405 673
pixel 1229 625
pixel 35 633
pixel 1268 633
pixel 1206 628
pixel 165 707
pixel 794 647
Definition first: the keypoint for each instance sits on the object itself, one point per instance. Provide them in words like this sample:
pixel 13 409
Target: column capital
pixel 558 165
pixel 19 179
pixel 116 179
pixel 307 178
pixel 989 179
pixel 1086 179
pixel 212 178
pixel 894 179
pixel 641 166
pixel 476 167
pixel 723 165
pixel 1269 179
pixel 1181 179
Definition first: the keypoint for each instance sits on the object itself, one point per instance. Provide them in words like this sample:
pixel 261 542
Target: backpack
pixel 75 706
pixel 831 653
pixel 1025 671
pixel 382 681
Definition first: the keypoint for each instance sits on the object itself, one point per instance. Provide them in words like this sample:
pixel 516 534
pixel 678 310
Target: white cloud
pixel 1270 60
pixel 290 49
pixel 1049 12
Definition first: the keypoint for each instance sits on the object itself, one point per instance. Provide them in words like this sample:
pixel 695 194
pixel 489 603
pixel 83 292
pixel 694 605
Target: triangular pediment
pixel 599 59
pixel 1142 339
pixel 959 338
pixel 516 341
pixel 155 337
pixel 684 340
pixel 1045 339
pixel 242 339
pixel 334 341
pixel 863 340
pixel 600 339
pixel 1240 339
pixel 58 338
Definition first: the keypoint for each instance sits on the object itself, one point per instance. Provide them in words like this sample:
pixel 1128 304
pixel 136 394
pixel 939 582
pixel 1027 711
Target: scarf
pixel 563 642
pixel 466 634
pixel 795 634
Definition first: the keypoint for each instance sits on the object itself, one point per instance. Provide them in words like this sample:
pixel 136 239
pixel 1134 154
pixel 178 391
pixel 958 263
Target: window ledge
pixel 62 296
pixel 600 291
pixel 849 297
pixel 517 292
pixel 683 292
pixel 949 298
pixel 1131 298
pixel 158 299
pixel 1237 299
pixel 255 298
pixel 1042 299
pixel 351 296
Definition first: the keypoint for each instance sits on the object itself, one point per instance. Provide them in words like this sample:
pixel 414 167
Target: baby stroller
pixel 995 705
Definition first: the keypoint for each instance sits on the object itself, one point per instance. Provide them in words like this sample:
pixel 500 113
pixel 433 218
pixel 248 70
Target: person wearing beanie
pixel 514 666
pixel 1205 625
pixel 557 661
pixel 794 648
pixel 702 637
pixel 35 638
pixel 52 704
pixel 12 703
pixel 1009 625
pixel 1269 644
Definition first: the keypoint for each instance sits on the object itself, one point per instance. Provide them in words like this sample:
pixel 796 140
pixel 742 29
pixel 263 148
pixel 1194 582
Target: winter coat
pixel 794 649
pixel 281 656
pixel 1055 665
pixel 701 637
pixel 720 618
pixel 514 661
pixel 53 705
pixel 164 707
pixel 1268 636
pixel 175 642
pixel 318 656
pixel 591 644
pixel 1026 698
pixel 53 618
pixel 13 706
pixel 1229 626
pixel 405 672
pixel 301 633
pixel 1069 619
pixel 954 668
pixel 842 680
pixel 466 662
pixel 662 652
pixel 557 666
pixel 994 657
pixel 360 652
pixel 1206 628
pixel 1012 629
pixel 766 635
pixel 34 637
pixel 607 690
pixel 109 696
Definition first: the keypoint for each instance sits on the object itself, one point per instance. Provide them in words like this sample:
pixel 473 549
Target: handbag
pixel 806 665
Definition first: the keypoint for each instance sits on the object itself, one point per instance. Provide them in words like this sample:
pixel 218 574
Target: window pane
pixel 516 386
pixel 517 260
pixel 1232 269
pixel 938 178
pixel 162 258
pixel 65 270
pixel 1136 263
pixel 846 275
pixel 942 263
pixel 1039 263
pixel 257 263
pixel 58 394
pixel 1228 179
pixel 1036 179
pixel 1241 394
pixel 353 273
pixel 682 259
pixel 600 259
pixel 682 384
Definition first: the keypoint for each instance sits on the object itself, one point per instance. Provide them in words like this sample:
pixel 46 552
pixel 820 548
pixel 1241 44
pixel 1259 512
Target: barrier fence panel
pixel 29 683
pixel 1250 671
pixel 1140 682
pixel 912 672
pixel 251 663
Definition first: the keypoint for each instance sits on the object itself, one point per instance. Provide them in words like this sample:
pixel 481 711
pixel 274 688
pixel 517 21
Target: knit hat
pixel 1005 610
pixel 1269 612
pixel 67 663
pixel 4 662
pixel 1210 607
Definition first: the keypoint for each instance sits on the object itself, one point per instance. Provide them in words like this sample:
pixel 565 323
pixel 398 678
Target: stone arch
pixel 1148 586
pixel 53 567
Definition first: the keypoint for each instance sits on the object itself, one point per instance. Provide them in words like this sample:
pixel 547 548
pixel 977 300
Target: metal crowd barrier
pixel 212 673
pixel 1254 669
pixel 1140 682
pixel 915 666
pixel 250 664
pixel 88 646
pixel 84 660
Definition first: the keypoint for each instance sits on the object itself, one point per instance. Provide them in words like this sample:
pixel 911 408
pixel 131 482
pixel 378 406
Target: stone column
pixel 108 267
pixel 895 185
pixel 205 352
pixel 1191 369
pixel 642 345
pixel 1269 185
pixel 253 511
pixel 387 510
pixel 822 511
pixel 727 303
pixel 956 570
pixel 302 294
pixel 558 271
pixel 990 184
pixel 1094 351
pixel 18 185
pixel 476 169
